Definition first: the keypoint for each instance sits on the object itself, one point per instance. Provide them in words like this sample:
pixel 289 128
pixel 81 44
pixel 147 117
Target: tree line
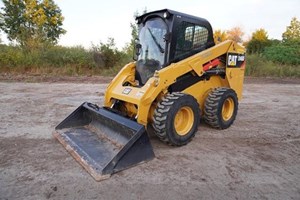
pixel 36 25
pixel 285 51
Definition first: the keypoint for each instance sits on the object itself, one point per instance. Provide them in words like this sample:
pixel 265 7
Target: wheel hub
pixel 227 109
pixel 184 120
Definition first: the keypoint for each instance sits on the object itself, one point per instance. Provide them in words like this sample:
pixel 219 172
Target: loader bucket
pixel 103 142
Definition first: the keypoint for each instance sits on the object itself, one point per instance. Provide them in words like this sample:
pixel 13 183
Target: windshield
pixel 152 53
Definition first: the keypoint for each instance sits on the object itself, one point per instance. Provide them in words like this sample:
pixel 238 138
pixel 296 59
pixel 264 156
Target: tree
pixel 292 31
pixel 106 54
pixel 134 33
pixel 31 23
pixel 236 34
pixel 220 36
pixel 258 42
pixel 260 35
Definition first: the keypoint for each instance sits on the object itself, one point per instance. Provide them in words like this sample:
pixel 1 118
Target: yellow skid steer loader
pixel 179 76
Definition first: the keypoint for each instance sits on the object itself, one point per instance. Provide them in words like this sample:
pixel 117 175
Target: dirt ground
pixel 258 157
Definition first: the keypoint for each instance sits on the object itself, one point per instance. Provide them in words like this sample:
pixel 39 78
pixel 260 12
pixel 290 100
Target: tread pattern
pixel 211 115
pixel 160 117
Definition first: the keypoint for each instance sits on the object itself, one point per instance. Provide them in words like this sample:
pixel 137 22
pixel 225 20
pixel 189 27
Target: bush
pixel 259 66
pixel 107 54
pixel 279 60
pixel 284 53
pixel 105 59
pixel 59 56
pixel 257 46
pixel 10 56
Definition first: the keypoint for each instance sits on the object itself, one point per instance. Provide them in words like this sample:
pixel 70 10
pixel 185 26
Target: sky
pixel 93 21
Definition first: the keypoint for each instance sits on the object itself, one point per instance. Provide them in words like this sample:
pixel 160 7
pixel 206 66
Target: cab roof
pixel 169 12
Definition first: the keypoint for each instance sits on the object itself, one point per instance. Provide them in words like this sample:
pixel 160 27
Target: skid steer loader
pixel 179 76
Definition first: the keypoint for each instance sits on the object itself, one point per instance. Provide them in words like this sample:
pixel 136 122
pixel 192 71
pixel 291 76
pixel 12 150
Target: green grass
pixel 261 67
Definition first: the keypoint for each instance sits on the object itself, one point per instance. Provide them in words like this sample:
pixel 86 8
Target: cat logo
pixel 232 60
pixel 235 60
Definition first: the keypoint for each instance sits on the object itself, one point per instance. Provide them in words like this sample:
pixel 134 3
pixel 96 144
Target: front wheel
pixel 176 118
pixel 221 108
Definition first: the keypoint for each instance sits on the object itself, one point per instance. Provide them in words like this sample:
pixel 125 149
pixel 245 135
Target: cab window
pixel 190 38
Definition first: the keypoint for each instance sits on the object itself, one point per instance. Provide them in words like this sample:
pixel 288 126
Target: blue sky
pixel 92 21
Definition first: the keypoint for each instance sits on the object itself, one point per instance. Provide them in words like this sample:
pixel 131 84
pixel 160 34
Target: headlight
pixel 166 15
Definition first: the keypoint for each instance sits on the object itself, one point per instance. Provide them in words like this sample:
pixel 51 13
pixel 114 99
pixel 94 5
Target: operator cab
pixel 166 37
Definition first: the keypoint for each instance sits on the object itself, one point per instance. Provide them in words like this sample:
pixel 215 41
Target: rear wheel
pixel 221 107
pixel 176 118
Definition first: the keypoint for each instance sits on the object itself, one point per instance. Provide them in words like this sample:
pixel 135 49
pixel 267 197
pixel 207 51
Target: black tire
pixel 220 108
pixel 167 119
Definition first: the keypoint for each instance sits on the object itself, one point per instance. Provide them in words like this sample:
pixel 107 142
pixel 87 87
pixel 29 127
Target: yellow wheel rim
pixel 184 120
pixel 227 109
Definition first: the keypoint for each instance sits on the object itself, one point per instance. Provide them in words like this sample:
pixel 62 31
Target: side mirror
pixel 167 37
pixel 137 50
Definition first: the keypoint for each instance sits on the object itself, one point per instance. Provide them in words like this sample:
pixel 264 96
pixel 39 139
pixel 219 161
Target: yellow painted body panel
pixel 201 89
pixel 141 101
